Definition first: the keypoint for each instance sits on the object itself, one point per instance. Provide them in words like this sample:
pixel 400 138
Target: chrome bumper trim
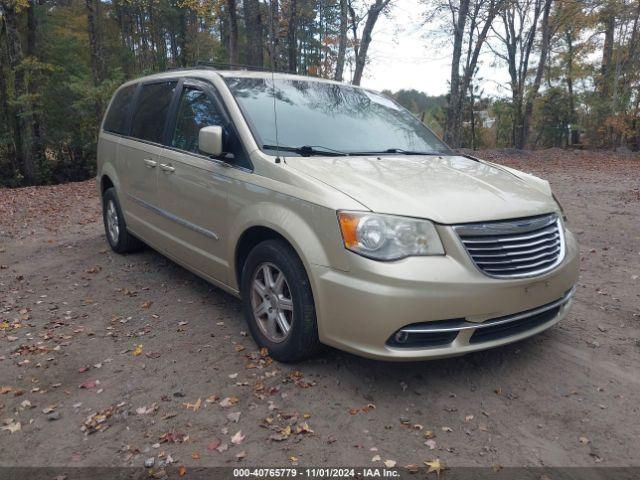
pixel 465 325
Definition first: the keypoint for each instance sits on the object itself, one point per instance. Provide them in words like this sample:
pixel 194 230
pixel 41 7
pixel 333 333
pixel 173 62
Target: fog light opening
pixel 401 337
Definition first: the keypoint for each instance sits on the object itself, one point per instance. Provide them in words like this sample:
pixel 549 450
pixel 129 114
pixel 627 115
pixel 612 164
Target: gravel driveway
pixel 109 360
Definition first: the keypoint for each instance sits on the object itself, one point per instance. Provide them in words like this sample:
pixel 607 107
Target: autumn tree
pixel 467 23
pixel 521 21
pixel 361 43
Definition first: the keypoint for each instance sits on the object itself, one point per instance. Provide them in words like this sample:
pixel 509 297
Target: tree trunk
pixel 93 21
pixel 274 23
pixel 233 32
pixel 361 58
pixel 124 18
pixel 37 145
pixel 184 56
pixel 97 61
pixel 6 117
pixel 569 76
pixel 609 21
pixel 253 24
pixel 342 41
pixel 533 92
pixel 22 112
pixel 292 37
pixel 452 122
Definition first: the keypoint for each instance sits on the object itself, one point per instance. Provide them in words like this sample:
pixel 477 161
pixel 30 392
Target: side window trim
pixel 131 109
pixel 211 92
pixel 172 114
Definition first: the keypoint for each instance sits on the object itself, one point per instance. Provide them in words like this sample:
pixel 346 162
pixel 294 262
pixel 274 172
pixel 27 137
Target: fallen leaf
pixel 412 468
pixel 12 426
pixel 213 445
pixel 182 471
pixel 435 466
pixel 303 428
pixel 389 463
pixel 430 443
pixel 376 458
pixel 147 409
pixel 238 438
pixel 193 406
pixel 137 350
pixel 234 417
pixel 584 440
pixel 228 401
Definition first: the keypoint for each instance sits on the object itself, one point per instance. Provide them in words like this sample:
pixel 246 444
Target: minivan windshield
pixel 316 117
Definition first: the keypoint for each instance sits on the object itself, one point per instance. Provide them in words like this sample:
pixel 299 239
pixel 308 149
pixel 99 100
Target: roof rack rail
pixel 236 66
pixel 201 64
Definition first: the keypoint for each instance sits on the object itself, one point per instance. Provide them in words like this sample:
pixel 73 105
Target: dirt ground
pixel 109 360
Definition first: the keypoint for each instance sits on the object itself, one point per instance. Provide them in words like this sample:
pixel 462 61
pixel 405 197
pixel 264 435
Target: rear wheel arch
pixel 105 184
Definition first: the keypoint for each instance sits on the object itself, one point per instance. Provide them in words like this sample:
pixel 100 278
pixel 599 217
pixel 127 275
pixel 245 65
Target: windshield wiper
pixel 308 150
pixel 401 151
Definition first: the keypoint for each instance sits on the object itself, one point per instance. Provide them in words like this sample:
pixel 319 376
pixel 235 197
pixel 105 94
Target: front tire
pixel 120 240
pixel 278 303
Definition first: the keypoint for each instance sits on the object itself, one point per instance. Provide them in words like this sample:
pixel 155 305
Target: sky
pixel 403 56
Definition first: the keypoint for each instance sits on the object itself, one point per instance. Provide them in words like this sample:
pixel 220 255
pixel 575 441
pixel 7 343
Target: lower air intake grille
pixel 514 248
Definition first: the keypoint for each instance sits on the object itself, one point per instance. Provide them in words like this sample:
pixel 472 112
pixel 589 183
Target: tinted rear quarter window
pixel 116 120
pixel 150 113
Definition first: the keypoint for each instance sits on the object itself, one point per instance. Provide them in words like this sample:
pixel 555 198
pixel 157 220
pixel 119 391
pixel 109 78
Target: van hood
pixel 445 189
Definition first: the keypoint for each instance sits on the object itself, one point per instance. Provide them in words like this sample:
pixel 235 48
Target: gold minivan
pixel 333 213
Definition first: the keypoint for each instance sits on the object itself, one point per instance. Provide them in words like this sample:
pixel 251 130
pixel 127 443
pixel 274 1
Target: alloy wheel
pixel 271 302
pixel 113 227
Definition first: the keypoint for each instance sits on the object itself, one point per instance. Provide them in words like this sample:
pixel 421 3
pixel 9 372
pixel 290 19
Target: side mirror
pixel 210 140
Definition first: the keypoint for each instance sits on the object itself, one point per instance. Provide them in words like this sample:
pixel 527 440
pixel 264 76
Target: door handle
pixel 167 168
pixel 150 163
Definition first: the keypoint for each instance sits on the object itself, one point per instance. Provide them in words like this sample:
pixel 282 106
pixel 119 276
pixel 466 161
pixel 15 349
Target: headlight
pixel 387 237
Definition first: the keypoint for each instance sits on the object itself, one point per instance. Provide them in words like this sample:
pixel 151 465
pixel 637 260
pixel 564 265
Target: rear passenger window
pixel 151 111
pixel 116 120
pixel 195 111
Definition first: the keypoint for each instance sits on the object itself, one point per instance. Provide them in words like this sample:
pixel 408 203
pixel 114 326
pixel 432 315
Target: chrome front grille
pixel 514 248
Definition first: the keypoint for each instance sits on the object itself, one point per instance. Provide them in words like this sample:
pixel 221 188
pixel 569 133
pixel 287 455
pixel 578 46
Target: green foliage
pixel 553 118
pixel 421 104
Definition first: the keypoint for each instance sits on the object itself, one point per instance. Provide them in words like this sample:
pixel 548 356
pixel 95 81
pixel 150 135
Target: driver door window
pixel 195 111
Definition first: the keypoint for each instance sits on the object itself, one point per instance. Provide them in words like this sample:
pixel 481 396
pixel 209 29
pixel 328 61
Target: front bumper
pixel 361 310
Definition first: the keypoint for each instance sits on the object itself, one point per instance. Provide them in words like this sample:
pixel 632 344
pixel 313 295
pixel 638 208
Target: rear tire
pixel 278 303
pixel 119 238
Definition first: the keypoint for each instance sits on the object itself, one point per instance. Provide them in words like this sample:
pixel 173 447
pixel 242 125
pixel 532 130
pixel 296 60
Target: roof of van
pixel 208 72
